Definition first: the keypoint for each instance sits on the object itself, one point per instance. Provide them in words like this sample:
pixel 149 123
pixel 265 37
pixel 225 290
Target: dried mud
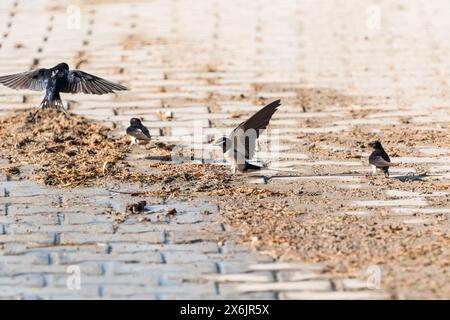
pixel 309 221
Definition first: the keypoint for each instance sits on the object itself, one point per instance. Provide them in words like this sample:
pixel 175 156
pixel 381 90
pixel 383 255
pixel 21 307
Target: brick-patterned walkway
pixel 194 58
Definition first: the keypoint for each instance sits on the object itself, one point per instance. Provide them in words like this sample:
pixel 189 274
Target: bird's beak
pixel 217 143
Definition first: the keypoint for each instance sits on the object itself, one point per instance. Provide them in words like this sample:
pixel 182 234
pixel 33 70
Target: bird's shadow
pixel 413 177
pixel 168 158
pixel 159 158
pixel 268 178
pixel 404 178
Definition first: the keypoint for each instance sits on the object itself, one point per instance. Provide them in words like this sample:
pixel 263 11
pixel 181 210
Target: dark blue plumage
pixel 379 159
pixel 138 132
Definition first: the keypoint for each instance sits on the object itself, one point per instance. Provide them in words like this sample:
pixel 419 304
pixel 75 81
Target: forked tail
pixel 55 103
pixel 252 167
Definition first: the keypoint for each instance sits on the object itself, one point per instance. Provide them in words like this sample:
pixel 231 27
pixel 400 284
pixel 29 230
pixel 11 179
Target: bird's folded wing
pixel 138 134
pixel 32 80
pixel 82 82
pixel 379 162
pixel 145 131
pixel 245 135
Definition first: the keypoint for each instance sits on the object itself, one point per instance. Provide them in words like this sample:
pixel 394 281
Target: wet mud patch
pixel 309 99
pixel 348 245
pixel 351 144
pixel 318 221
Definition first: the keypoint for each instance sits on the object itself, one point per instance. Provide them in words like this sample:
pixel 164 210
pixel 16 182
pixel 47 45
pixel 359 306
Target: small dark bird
pixel 240 146
pixel 138 132
pixel 379 159
pixel 59 79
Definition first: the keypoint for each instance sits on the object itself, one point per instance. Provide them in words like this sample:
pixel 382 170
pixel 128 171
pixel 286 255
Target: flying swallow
pixel 379 159
pixel 138 132
pixel 59 79
pixel 240 146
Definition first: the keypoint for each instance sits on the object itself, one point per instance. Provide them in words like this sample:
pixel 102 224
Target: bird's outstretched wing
pixel 244 136
pixel 82 82
pixel 379 162
pixel 31 80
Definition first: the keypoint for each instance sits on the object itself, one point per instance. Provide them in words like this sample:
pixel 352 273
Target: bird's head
pixel 375 144
pixel 62 66
pixel 135 122
pixel 59 70
pixel 223 142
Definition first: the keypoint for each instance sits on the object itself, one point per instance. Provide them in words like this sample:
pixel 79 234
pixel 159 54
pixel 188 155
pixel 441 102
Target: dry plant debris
pixel 136 207
pixel 67 152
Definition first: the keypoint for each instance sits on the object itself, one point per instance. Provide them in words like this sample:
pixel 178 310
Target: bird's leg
pixel 66 114
pixel 60 107
pixel 386 173
pixel 39 108
pixel 133 141
pixel 33 116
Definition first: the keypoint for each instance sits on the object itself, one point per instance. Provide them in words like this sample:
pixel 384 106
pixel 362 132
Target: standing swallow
pixel 240 146
pixel 379 159
pixel 59 79
pixel 138 132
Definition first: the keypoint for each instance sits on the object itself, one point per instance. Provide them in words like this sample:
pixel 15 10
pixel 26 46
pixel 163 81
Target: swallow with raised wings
pixel 59 79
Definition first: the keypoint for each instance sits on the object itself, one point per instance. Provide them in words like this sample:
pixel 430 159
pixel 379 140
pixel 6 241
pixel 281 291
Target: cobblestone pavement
pixel 204 62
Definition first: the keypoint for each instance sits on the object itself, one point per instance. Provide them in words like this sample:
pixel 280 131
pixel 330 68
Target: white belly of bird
pixel 138 141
